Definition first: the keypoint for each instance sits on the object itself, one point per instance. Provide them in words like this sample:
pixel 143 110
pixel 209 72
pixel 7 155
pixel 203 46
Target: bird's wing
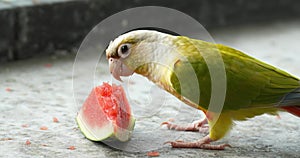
pixel 250 82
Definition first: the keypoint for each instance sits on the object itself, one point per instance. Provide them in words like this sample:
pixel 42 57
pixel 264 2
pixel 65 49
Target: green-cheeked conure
pixel 182 66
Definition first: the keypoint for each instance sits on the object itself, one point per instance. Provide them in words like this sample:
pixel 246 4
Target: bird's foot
pixel 199 126
pixel 203 143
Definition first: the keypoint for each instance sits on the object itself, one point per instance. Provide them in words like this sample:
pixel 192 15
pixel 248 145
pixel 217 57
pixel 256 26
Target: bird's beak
pixel 117 69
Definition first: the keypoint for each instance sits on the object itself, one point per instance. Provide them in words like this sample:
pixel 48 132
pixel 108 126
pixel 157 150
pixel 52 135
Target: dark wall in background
pixel 28 29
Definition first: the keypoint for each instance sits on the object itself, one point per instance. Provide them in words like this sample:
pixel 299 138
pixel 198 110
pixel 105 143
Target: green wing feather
pixel 250 82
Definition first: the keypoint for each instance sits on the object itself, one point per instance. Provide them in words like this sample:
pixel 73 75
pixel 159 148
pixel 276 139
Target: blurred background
pixel 39 40
pixel 35 27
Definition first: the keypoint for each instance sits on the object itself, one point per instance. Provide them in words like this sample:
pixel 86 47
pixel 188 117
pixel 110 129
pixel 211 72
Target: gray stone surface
pixel 41 88
pixel 45 28
pixel 231 12
pixel 42 26
pixel 6 31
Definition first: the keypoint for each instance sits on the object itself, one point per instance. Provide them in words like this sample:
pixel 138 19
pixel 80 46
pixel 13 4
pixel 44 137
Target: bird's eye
pixel 123 50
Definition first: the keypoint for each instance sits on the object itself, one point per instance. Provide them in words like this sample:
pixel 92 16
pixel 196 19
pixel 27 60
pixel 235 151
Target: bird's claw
pixel 170 142
pixel 199 144
pixel 197 126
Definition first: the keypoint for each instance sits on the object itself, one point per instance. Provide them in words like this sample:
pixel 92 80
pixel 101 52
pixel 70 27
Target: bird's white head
pixel 132 51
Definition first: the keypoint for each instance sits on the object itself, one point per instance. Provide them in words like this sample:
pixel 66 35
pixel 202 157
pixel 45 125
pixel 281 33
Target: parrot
pixel 182 66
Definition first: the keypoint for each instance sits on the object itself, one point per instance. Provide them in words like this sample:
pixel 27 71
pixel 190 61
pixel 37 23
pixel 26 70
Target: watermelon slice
pixel 106 113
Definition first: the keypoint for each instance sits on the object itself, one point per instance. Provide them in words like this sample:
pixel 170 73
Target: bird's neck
pixel 159 74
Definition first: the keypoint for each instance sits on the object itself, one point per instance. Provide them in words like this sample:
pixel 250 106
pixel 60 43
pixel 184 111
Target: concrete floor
pixel 34 91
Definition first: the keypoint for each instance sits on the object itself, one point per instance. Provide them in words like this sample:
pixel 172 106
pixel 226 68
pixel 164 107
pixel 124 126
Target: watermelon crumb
pixel 43 128
pixel 153 154
pixel 71 148
pixel 55 120
pixel 25 125
pixel 27 142
pixel 48 65
pixel 8 89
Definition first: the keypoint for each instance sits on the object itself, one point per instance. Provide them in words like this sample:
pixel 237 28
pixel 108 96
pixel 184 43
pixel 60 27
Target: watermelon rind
pixel 124 135
pixel 107 131
pixel 94 133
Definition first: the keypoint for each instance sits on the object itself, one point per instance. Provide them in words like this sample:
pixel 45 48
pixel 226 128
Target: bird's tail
pixel 291 102
pixel 292 109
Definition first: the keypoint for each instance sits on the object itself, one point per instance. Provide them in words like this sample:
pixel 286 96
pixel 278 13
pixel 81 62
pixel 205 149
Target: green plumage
pixel 250 83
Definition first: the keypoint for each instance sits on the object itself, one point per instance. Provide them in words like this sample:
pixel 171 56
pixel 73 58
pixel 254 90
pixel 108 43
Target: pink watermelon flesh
pixel 105 113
